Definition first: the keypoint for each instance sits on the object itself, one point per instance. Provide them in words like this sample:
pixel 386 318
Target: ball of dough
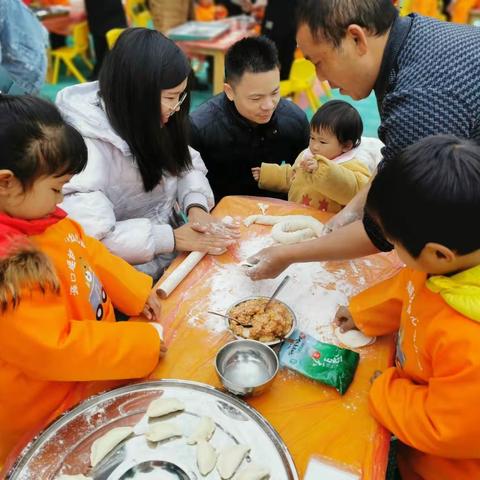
pixel 353 338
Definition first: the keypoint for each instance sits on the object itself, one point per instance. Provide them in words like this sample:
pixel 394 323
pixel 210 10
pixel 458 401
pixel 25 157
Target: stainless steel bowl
pixel 273 342
pixel 159 469
pixel 246 367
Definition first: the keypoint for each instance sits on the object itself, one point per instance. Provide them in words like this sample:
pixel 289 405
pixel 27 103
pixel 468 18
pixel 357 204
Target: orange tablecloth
pixel 311 418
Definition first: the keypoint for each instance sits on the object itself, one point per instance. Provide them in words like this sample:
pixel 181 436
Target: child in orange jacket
pixel 426 202
pixel 58 287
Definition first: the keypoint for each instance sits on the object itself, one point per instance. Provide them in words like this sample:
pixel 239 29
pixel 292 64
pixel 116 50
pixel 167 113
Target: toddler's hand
pixel 344 320
pixel 153 306
pixel 256 173
pixel 309 165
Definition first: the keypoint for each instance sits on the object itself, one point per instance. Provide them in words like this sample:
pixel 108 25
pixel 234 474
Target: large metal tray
pixel 64 447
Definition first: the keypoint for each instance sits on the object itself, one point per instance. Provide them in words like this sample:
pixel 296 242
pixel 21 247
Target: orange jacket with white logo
pixel 53 345
pixel 430 399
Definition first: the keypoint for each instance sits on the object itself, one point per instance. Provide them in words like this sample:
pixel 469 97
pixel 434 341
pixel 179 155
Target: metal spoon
pixel 231 319
pixel 277 290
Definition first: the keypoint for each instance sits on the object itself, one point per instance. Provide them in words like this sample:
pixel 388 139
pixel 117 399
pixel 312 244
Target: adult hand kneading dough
pixel 188 264
pixel 289 229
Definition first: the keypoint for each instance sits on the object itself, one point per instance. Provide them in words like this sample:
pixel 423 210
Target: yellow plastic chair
pixel 112 36
pixel 66 55
pixel 142 19
pixel 302 80
pixel 137 13
pixel 428 8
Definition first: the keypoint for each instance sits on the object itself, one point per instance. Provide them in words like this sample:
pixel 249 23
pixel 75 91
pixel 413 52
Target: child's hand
pixel 153 306
pixel 256 173
pixel 344 320
pixel 309 165
pixel 163 348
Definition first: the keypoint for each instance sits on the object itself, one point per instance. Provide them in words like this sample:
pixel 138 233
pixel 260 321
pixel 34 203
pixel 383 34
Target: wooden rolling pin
pixel 173 280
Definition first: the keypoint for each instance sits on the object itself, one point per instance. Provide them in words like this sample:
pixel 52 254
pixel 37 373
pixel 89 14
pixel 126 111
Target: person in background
pixel 167 14
pixel 279 25
pixel 249 124
pixel 329 173
pixel 59 341
pixel 424 202
pixel 140 167
pixel 207 11
pixel 102 16
pixel 23 43
pixel 235 7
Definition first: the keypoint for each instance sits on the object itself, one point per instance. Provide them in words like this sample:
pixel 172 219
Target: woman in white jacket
pixel 139 163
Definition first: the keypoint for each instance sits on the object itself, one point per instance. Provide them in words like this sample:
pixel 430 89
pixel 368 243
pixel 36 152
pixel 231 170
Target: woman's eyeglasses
pixel 182 98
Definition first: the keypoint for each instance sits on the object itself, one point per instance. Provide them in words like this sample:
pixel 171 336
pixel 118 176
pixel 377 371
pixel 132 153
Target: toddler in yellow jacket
pixel 326 175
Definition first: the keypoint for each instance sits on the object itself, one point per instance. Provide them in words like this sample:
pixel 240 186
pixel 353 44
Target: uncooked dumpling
pixel 203 431
pixel 353 338
pixel 108 442
pixel 163 406
pixel 230 459
pixel 253 472
pixel 162 430
pixel 73 477
pixel 206 457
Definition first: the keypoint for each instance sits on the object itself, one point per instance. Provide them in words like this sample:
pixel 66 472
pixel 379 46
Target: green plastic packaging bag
pixel 320 361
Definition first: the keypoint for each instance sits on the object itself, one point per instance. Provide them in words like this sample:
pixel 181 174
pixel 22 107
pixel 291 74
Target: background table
pixel 217 49
pixel 311 418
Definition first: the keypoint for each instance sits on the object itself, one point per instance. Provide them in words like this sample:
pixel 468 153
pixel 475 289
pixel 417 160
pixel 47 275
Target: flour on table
pixel 263 207
pixel 314 294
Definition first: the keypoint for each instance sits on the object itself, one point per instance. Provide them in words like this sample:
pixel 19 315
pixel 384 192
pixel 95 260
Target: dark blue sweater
pixel 429 83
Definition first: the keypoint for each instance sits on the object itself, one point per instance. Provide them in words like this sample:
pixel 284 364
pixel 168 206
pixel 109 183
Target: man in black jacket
pixel 249 123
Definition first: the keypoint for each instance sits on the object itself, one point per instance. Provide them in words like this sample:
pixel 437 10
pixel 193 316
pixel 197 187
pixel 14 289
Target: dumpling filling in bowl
pixel 255 322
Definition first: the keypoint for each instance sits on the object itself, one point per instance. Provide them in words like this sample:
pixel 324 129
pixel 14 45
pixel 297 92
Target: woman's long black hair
pixel 142 63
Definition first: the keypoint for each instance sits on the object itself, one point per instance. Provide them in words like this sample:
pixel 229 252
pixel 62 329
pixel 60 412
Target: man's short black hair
pixel 341 119
pixel 430 193
pixel 253 55
pixel 329 19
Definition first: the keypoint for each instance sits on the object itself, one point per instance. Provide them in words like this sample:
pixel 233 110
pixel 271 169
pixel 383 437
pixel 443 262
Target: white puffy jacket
pixel 108 197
